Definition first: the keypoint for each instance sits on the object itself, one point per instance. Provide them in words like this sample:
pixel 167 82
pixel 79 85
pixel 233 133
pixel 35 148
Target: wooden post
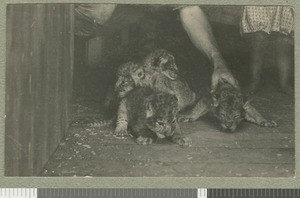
pixel 39 69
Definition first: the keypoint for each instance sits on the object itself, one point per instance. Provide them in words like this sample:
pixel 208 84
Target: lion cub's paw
pixel 183 118
pixel 120 133
pixel 183 141
pixel 268 123
pixel 162 60
pixel 144 140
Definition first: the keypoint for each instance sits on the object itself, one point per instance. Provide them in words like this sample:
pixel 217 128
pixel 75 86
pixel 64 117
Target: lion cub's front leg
pixel 201 108
pixel 122 120
pixel 180 139
pixel 252 115
pixel 144 140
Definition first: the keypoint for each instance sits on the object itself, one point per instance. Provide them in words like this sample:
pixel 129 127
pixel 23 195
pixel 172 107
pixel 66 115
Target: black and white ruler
pixel 147 193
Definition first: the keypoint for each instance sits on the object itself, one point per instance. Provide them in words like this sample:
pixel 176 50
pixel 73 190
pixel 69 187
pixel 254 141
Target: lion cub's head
pixel 161 114
pixel 163 62
pixel 125 81
pixel 228 106
pixel 135 74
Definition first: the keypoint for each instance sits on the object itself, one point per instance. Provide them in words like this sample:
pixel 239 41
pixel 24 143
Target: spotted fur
pixel 125 82
pixel 150 115
pixel 146 75
pixel 163 62
pixel 226 103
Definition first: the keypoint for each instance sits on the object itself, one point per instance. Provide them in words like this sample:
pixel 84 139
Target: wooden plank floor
pixel 251 151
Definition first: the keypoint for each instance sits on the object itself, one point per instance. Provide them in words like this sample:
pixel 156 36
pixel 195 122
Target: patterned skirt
pixel 268 19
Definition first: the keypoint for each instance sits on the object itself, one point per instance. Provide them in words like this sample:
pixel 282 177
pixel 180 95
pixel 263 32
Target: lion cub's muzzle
pixel 229 127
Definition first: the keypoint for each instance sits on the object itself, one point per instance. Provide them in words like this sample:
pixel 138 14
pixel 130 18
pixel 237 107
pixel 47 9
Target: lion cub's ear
pixel 246 100
pixel 149 106
pixel 215 98
pixel 246 104
pixel 139 73
pixel 168 66
pixel 171 74
pixel 149 110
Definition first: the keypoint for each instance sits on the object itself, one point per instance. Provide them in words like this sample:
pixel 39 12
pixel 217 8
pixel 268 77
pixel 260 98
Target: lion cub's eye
pixel 160 123
pixel 224 95
pixel 237 116
pixel 222 115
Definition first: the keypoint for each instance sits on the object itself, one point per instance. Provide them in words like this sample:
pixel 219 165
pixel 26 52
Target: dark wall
pixel 39 69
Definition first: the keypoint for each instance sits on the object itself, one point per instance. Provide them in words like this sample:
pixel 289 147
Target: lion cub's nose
pixel 228 125
pixel 161 123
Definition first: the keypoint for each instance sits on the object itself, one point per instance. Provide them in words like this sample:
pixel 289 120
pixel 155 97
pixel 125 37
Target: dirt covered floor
pixel 250 151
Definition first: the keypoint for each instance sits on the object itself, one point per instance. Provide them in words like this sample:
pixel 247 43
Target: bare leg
pixel 258 46
pixel 284 51
pixel 88 17
pixel 197 26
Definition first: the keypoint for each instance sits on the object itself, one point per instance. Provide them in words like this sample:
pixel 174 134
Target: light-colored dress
pixel 268 19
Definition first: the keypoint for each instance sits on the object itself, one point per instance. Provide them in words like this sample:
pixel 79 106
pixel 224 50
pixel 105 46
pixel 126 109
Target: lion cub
pixel 150 115
pixel 163 62
pixel 227 105
pixel 158 71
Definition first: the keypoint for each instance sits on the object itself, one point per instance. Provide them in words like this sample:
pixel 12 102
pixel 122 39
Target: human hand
pixel 221 73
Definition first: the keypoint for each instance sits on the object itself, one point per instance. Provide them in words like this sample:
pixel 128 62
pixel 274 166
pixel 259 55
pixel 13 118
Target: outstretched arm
pixel 195 22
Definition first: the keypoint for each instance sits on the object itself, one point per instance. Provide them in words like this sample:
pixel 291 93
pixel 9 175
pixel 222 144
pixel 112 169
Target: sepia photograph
pixel 149 90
